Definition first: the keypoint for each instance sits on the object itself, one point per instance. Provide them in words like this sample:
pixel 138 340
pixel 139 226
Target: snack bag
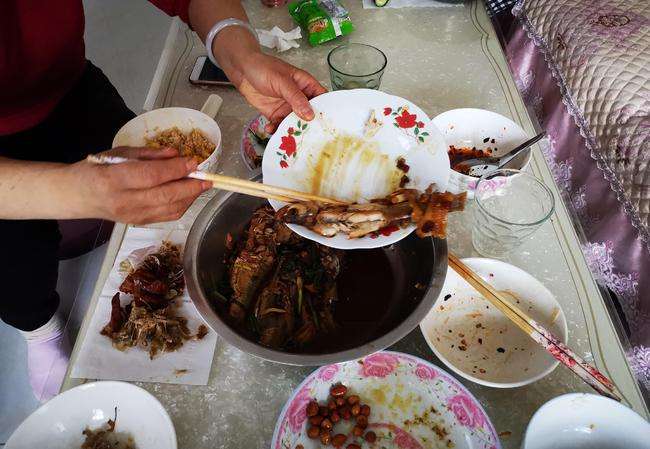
pixel 323 20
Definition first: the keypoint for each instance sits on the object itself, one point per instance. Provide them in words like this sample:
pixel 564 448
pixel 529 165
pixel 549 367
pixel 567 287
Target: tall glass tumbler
pixel 510 206
pixel 355 66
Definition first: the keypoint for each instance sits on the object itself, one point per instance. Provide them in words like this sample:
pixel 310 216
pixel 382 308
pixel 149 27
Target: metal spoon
pixel 481 165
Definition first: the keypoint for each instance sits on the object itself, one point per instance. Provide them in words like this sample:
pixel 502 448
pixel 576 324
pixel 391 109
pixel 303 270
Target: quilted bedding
pixel 601 59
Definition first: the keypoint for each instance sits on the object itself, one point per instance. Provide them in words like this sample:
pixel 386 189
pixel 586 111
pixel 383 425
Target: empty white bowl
pixel 468 127
pixel 586 421
pixel 145 126
pixel 478 342
pixel 59 423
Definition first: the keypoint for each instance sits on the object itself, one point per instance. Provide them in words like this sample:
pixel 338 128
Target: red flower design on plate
pixel 466 411
pixel 406 120
pixel 387 111
pixel 290 130
pixel 425 372
pixel 288 145
pixel 420 124
pixel 328 372
pixel 284 164
pixel 379 365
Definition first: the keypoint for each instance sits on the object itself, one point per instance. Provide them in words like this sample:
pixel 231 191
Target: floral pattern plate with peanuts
pixel 350 150
pixel 414 405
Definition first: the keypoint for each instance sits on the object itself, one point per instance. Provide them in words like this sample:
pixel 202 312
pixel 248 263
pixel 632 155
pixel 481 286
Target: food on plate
pixel 427 210
pixel 150 320
pixel 105 437
pixel 339 408
pixel 459 155
pixel 279 286
pixel 158 278
pixel 193 143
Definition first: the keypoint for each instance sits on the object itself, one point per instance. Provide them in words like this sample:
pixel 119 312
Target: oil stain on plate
pixel 351 168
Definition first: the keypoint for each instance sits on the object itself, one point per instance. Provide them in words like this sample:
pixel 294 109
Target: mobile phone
pixel 205 72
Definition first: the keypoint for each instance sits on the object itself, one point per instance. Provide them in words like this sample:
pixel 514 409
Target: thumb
pixel 142 153
pixel 296 98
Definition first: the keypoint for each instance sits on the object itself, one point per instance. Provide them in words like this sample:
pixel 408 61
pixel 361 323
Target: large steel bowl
pixel 418 265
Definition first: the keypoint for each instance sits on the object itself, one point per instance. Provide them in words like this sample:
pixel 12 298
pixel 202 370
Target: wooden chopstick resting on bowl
pixel 534 330
pixel 236 185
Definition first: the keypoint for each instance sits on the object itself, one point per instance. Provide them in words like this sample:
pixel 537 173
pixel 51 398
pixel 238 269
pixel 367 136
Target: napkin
pixel 370 4
pixel 278 39
pixel 98 359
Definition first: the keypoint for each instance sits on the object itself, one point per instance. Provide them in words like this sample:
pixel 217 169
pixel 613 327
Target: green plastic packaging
pixel 323 20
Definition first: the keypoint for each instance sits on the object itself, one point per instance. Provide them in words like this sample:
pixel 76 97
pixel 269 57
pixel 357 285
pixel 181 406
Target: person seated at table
pixel 55 109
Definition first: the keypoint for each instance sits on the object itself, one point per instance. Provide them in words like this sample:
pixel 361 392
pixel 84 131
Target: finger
pixel 167 212
pixel 142 153
pixel 173 192
pixel 296 98
pixel 142 174
pixel 308 84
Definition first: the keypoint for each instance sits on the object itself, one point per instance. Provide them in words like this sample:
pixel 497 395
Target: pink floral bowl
pixel 415 405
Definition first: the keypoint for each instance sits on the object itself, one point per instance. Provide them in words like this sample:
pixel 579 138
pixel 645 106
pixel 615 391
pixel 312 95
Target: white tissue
pixel 278 39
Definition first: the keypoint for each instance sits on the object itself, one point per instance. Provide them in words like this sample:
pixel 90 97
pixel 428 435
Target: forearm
pixel 233 44
pixel 34 190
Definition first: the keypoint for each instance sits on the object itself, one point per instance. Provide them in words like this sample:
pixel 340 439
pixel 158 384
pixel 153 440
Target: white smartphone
pixel 204 72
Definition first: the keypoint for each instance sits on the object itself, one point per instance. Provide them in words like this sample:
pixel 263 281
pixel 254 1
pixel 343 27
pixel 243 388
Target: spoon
pixel 481 165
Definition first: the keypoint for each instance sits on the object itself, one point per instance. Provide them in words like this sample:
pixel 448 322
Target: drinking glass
pixel 510 206
pixel 355 66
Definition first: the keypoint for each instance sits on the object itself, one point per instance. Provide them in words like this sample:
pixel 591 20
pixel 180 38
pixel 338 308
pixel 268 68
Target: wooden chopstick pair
pixel 537 332
pixel 235 184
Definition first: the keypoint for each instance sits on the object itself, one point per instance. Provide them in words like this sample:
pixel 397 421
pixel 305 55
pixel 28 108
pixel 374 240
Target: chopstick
pixel 537 332
pixel 235 184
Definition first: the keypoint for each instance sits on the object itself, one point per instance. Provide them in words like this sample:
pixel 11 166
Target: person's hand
pixel 275 88
pixel 151 188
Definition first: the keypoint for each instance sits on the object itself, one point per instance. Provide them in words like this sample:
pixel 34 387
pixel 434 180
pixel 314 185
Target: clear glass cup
pixel 510 206
pixel 355 66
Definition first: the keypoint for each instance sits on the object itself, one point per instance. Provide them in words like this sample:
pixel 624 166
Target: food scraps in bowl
pixel 289 293
pixel 398 210
pixel 106 437
pixel 459 155
pixel 150 320
pixel 193 144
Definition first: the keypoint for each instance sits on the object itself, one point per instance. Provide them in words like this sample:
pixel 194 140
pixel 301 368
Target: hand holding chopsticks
pixel 236 185
pixel 534 330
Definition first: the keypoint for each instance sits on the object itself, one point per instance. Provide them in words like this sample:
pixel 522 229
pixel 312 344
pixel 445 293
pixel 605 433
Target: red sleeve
pixel 174 8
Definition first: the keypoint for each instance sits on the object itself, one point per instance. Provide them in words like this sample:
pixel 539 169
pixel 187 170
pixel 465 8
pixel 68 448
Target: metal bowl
pixel 418 266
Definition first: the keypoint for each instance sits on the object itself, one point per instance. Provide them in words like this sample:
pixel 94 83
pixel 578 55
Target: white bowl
pixel 58 424
pixel 478 342
pixel 135 132
pixel 586 421
pixel 468 127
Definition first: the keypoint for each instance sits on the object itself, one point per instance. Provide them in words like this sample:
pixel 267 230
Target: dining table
pixel 441 56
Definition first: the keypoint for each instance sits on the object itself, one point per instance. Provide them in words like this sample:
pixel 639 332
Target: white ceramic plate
pixel 404 392
pixel 468 127
pixel 478 342
pixel 59 423
pixel 330 157
pixel 586 421
pixel 135 132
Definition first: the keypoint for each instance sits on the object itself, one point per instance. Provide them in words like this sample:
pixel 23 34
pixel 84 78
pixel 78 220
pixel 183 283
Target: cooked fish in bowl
pixel 284 298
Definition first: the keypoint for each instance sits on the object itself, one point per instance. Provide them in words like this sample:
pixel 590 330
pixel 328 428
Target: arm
pixel 269 84
pixel 147 190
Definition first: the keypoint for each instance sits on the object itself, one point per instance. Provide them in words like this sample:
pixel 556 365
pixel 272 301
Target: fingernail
pixel 206 185
pixel 308 114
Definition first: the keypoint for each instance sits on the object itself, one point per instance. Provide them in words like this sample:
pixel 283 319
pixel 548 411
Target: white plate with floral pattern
pixel 350 152
pixel 414 405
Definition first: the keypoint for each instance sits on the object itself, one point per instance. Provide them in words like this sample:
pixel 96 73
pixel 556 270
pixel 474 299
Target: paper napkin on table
pixel 278 39
pixel 98 359
pixel 370 4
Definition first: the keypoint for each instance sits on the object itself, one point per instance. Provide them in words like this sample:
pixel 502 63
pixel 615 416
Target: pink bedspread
pixel 616 247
